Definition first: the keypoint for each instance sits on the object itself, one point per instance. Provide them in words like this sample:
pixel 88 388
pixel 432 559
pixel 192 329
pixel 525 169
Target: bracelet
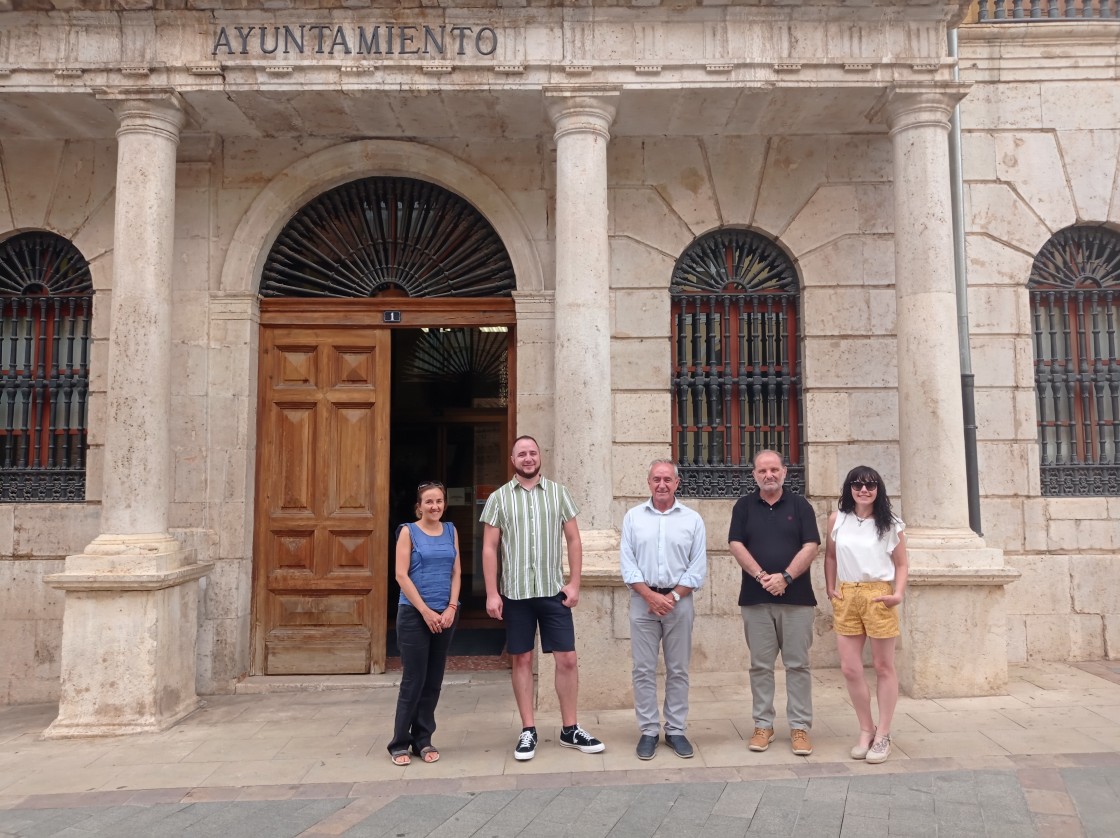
pixel 758 576
pixel 453 605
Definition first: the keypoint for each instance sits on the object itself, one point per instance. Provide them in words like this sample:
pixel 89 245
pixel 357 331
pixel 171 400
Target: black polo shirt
pixel 774 535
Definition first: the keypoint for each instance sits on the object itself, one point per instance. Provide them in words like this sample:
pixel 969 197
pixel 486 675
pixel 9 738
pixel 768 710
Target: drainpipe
pixel 968 382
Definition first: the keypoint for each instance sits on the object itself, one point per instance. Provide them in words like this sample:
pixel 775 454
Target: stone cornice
pixel 1050 51
pixel 953 9
pixel 488 47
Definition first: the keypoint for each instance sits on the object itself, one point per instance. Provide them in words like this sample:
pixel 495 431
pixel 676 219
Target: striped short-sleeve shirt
pixel 532 525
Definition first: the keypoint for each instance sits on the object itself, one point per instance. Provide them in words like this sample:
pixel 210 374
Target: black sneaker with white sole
pixel 577 737
pixel 526 744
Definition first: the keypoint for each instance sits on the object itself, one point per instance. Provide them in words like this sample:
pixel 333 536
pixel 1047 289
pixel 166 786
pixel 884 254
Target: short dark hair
pixel 526 436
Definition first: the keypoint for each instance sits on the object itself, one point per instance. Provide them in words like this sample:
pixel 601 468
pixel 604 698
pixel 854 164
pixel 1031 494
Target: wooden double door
pixel 322 545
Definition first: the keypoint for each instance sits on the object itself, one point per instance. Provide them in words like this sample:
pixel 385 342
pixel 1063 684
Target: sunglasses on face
pixel 869 485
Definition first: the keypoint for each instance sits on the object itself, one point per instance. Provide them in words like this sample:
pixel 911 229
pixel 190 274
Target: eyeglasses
pixel 869 485
pixel 431 484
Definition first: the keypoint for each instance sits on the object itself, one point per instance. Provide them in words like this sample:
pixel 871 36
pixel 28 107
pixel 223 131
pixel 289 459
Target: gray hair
pixel 663 461
pixel 758 454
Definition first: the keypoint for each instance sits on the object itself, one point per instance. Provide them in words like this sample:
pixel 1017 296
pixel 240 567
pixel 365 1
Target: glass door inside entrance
pixel 450 421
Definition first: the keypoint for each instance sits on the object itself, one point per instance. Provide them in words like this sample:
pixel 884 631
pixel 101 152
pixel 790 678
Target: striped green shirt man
pixel 532 523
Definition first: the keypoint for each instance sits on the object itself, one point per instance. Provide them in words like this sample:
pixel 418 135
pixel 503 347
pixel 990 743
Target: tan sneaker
pixel 801 744
pixel 762 738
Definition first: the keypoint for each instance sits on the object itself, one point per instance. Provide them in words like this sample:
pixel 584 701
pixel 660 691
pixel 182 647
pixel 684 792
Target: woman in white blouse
pixel 865 572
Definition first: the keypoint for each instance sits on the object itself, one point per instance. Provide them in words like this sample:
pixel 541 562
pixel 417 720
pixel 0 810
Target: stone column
pixel 581 454
pixel 955 599
pixel 130 620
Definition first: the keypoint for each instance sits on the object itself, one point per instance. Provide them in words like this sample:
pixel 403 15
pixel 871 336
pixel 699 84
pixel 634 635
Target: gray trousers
pixel 648 634
pixel 788 629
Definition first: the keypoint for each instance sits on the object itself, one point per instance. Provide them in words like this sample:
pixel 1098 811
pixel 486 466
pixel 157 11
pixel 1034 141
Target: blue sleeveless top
pixel 429 568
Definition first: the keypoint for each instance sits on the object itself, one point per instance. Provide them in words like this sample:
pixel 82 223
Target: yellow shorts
pixel 856 614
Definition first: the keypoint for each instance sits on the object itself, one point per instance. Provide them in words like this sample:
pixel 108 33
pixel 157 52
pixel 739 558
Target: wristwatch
pixel 676 597
pixel 787 577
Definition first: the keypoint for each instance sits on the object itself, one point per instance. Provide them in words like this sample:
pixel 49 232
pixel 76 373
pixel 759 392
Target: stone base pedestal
pixel 602 643
pixel 954 624
pixel 128 638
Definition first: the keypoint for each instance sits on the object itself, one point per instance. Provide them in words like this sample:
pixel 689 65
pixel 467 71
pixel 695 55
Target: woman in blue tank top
pixel 427 562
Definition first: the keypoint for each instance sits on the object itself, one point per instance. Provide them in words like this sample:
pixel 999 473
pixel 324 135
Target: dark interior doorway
pixel 450 423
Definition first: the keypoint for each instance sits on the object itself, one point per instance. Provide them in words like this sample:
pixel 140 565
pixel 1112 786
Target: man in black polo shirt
pixel 774 538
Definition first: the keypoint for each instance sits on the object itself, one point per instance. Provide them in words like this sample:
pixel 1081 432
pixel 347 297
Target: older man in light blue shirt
pixel 664 559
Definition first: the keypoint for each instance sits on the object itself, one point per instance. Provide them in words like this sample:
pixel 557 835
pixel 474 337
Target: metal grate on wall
pixel 1075 314
pixel 736 379
pixel 46 296
pixel 388 234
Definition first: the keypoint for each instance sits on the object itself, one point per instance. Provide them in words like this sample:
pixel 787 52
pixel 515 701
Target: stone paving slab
pixel 1077 800
pixel 314 764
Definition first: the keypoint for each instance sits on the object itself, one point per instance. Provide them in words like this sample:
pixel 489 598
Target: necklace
pixel 859 520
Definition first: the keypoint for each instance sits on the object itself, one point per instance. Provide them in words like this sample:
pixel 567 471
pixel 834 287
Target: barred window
pixel 736 377
pixel 1075 314
pixel 45 300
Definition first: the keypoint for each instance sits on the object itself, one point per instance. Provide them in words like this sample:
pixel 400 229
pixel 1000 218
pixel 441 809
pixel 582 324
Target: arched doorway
pixel 385 359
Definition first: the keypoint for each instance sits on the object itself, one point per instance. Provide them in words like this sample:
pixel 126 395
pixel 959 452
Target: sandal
pixel 429 754
pixel 859 752
pixel 400 758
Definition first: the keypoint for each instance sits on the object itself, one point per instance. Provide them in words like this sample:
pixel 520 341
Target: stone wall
pixel 1041 147
pixel 34 540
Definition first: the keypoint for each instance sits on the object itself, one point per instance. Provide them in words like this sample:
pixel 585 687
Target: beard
pixel 526 473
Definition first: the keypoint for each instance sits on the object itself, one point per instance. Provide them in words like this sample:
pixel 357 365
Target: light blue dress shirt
pixel 664 549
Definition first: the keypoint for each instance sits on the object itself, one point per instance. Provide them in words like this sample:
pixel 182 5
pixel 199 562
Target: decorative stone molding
pixel 129 581
pixel 788 37
pixel 292 188
pixel 963 576
pixel 244 306
pixel 534 305
pixel 908 106
pixel 582 110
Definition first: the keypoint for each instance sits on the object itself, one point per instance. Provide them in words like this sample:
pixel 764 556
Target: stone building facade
pixel 173 145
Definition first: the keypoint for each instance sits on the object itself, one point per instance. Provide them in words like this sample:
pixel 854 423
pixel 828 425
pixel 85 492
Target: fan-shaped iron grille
pixel 733 260
pixel 736 367
pixel 384 233
pixel 37 263
pixel 46 294
pixel 1075 315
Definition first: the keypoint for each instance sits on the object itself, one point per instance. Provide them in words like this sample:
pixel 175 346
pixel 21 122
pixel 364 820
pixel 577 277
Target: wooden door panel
pixel 352 367
pixel 294 427
pixel 351 490
pixel 296 367
pixel 320 562
pixel 293 552
pixel 348 552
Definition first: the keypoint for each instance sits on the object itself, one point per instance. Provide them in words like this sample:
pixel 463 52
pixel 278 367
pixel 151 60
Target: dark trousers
pixel 423 657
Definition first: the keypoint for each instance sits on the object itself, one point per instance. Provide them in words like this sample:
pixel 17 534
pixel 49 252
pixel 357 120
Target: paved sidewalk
pixel 1042 760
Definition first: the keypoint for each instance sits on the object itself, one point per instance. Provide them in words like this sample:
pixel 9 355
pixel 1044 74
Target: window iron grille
pixel 388 234
pixel 46 296
pixel 736 378
pixel 1075 315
